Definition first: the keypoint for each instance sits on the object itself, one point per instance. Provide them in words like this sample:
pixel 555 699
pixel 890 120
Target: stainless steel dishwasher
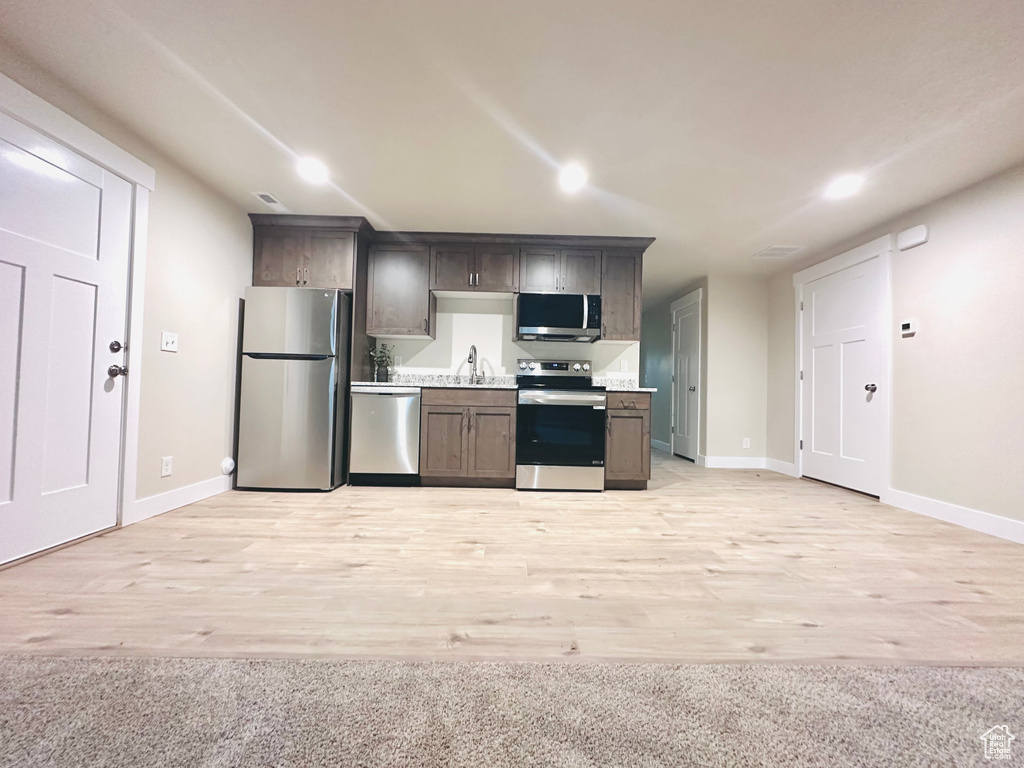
pixel 385 430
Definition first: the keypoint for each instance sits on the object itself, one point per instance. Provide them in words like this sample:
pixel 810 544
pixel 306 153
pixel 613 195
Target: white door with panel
pixel 841 359
pixel 65 229
pixel 686 379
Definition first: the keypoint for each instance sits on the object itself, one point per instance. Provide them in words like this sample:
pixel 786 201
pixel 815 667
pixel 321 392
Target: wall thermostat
pixel 908 327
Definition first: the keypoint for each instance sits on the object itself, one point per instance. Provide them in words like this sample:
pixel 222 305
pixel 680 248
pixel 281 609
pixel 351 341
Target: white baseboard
pixel 702 460
pixel 151 506
pixel 975 519
pixel 731 462
pixel 782 467
pixel 661 445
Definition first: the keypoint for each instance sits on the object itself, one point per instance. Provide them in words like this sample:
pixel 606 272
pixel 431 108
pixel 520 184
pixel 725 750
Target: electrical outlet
pixel 623 365
pixel 168 341
pixel 166 466
pixel 746 442
pixel 398 361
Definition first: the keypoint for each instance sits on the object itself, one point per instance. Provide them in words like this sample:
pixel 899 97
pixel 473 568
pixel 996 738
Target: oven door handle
pixel 541 397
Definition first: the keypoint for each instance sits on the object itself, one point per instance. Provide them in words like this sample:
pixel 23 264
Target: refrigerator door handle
pixel 276 356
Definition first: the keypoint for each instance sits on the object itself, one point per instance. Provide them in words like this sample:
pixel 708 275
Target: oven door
pixel 560 428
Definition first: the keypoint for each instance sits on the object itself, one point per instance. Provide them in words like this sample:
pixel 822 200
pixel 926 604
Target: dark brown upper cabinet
pixel 473 268
pixel 398 297
pixel 311 258
pixel 279 256
pixel 621 294
pixel 307 251
pixel 560 270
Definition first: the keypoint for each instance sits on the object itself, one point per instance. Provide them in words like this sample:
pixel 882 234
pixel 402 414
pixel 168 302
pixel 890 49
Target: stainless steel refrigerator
pixel 294 391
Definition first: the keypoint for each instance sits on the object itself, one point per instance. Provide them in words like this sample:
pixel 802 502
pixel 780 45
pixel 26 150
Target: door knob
pixel 870 387
pixel 116 346
pixel 117 370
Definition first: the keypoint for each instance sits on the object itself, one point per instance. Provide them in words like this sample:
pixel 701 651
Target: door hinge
pixel 801 445
pixel 801 375
pixel 673 430
pixel 801 306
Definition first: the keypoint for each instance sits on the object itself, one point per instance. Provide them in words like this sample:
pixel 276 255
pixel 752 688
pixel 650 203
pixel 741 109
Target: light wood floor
pixel 710 565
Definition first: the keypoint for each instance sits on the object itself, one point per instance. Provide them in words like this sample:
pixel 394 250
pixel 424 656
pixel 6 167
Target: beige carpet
pixel 210 712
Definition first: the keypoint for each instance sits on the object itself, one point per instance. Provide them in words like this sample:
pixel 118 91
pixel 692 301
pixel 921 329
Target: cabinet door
pixel 628 445
pixel 330 260
pixel 279 256
pixel 620 295
pixel 581 271
pixel 398 291
pixel 451 268
pixel 496 269
pixel 539 270
pixel 492 442
pixel 444 448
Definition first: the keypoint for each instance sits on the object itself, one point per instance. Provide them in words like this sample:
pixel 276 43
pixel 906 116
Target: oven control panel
pixel 554 368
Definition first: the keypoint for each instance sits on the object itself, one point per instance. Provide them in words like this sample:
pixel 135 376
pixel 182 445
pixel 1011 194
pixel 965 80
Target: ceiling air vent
pixel 272 202
pixel 777 252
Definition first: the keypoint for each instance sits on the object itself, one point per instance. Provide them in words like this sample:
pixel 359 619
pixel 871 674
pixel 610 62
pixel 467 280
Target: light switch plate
pixel 166 466
pixel 168 341
pixel 623 365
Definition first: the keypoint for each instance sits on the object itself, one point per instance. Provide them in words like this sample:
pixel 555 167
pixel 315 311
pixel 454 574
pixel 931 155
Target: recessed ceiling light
pixel 312 170
pixel 844 186
pixel 572 177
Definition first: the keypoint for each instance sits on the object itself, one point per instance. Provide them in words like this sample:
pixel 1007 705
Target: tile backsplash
pixel 487 323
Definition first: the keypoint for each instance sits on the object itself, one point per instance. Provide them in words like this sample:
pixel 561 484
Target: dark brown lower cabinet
pixel 627 461
pixel 468 437
pixel 444 441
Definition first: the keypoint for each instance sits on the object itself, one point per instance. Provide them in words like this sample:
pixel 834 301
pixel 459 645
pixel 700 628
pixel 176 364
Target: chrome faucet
pixel 474 360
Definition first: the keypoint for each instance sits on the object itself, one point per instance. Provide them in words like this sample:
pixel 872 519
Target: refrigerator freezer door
pixel 286 423
pixel 290 321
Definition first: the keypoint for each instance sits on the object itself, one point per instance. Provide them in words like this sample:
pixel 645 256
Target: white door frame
pixel 695 296
pixel 882 249
pixel 25 107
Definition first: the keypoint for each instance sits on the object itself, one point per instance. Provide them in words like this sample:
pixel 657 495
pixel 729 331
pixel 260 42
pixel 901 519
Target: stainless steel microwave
pixel 559 317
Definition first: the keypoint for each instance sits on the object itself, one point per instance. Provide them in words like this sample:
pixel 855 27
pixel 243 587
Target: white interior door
pixel 841 367
pixel 64 256
pixel 686 379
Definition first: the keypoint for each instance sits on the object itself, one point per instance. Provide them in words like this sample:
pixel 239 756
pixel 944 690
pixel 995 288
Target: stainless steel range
pixel 560 427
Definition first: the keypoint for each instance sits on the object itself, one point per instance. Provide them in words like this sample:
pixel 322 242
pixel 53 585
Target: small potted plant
pixel 381 359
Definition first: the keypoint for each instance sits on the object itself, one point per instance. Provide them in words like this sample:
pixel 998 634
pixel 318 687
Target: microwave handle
pixel 586 310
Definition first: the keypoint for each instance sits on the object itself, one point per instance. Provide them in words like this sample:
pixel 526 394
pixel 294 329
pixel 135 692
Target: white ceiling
pixel 712 126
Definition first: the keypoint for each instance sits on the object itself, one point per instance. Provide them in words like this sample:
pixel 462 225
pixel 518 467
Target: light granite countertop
pixel 612 384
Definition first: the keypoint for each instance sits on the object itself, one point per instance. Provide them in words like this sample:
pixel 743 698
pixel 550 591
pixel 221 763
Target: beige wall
pixel 737 366
pixel 487 324
pixel 199 257
pixel 958 385
pixel 656 367
pixel 781 411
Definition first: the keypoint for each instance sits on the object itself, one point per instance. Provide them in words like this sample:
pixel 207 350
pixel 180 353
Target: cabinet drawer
pixel 640 401
pixel 468 397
